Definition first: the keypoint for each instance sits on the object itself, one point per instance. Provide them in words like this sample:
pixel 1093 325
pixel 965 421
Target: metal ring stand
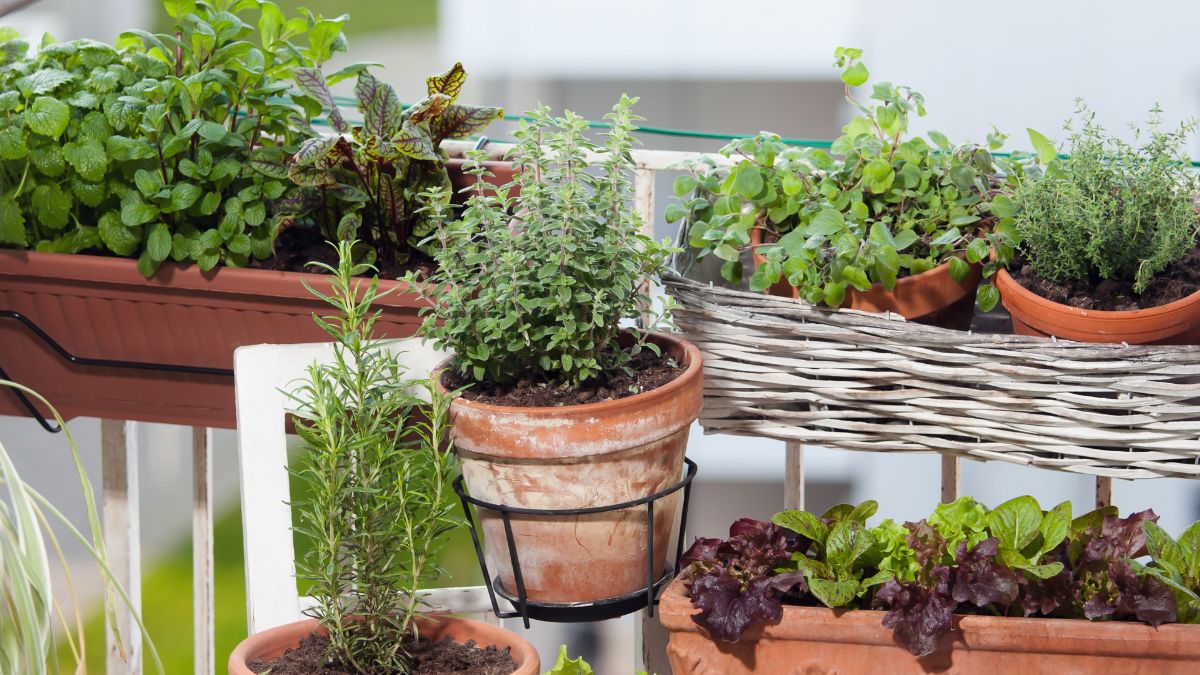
pixel 569 612
pixel 86 361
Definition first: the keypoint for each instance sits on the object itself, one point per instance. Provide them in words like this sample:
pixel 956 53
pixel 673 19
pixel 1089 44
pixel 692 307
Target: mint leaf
pixel 12 223
pixel 48 116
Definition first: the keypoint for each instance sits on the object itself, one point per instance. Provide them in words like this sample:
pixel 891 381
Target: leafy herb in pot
pixel 372 182
pixel 1110 225
pixel 542 295
pixel 878 207
pixel 161 148
pixel 1013 560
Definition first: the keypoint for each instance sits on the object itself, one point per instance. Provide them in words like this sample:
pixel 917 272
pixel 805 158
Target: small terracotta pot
pixel 1176 323
pixel 271 643
pixel 820 640
pixel 502 173
pixel 580 456
pixel 932 297
pixel 103 308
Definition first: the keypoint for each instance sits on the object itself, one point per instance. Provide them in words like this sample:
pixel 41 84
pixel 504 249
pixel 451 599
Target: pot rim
pixel 249 281
pixel 521 651
pixel 693 364
pixel 1006 283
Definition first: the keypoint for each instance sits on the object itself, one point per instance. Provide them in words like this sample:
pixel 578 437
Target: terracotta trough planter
pixel 271 643
pixel 580 456
pixel 1176 323
pixel 820 640
pixel 103 308
pixel 932 297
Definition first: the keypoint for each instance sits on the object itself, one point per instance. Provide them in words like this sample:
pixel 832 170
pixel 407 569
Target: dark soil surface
pixel 1174 283
pixel 648 371
pixel 429 658
pixel 296 246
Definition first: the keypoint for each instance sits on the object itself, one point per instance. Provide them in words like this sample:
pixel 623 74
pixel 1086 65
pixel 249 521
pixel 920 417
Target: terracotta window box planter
pixel 103 308
pixel 820 640
pixel 1175 323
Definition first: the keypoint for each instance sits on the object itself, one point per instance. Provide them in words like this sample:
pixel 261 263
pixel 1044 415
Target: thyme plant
pixel 543 294
pixel 1110 209
pixel 378 473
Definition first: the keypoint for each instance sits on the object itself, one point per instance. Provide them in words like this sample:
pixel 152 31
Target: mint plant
pixel 163 147
pixel 379 503
pixel 880 205
pixel 542 294
pixel 1109 209
pixel 1013 560
pixel 371 182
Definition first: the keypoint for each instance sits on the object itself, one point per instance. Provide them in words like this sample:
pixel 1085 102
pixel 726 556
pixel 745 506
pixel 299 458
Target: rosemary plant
pixel 543 295
pixel 379 502
pixel 1110 209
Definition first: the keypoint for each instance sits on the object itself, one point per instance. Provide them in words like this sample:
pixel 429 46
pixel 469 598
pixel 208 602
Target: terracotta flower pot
pixel 931 297
pixel 1176 323
pixel 103 308
pixel 820 640
pixel 272 643
pixel 502 173
pixel 580 456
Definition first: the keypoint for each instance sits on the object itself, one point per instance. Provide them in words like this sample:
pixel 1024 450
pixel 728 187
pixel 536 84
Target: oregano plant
pixel 879 205
pixel 542 293
pixel 378 502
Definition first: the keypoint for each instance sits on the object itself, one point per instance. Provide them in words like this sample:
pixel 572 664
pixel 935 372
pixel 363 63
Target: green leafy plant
pixel 31 621
pixel 543 294
pixel 378 477
pixel 1108 209
pixel 565 665
pixel 1013 560
pixel 374 184
pixel 879 205
pixel 167 146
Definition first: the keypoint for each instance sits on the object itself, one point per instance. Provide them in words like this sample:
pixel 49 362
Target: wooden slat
pixel 122 539
pixel 793 487
pixel 1104 487
pixel 950 478
pixel 202 551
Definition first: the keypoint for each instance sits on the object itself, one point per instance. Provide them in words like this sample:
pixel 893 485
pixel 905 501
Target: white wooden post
pixel 202 551
pixel 122 538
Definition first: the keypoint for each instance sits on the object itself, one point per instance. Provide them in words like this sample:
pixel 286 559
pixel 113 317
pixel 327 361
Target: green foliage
pixel 565 665
pixel 1175 563
pixel 842 549
pixel 1109 209
pixel 543 294
pixel 379 505
pixel 373 185
pixel 879 206
pixel 31 623
pixel 162 147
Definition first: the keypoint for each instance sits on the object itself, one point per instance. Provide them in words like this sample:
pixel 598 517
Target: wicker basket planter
pixel 820 640
pixel 103 308
pixel 779 368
